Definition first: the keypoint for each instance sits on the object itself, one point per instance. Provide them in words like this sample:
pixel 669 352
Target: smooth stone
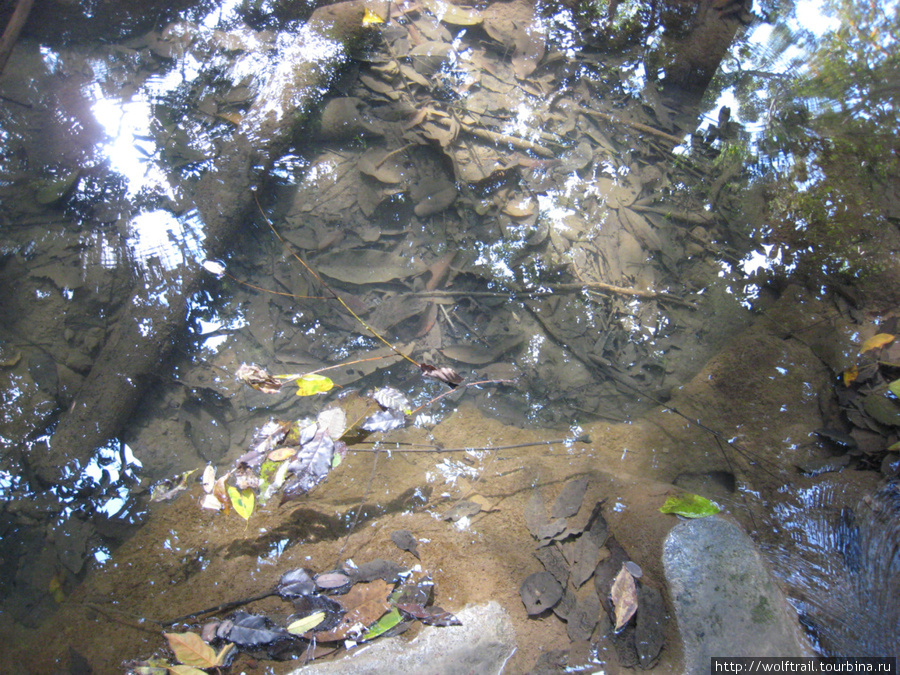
pixel 726 601
pixel 482 644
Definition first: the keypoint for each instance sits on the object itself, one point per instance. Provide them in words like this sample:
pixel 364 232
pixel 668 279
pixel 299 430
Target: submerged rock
pixel 726 601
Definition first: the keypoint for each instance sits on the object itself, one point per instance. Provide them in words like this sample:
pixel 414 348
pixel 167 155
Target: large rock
pixel 726 601
pixel 481 645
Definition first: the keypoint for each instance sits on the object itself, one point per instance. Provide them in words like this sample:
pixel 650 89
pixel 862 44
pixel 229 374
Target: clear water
pixel 553 201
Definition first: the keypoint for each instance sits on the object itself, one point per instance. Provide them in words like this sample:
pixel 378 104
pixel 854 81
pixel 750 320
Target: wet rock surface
pixel 726 601
pixel 482 644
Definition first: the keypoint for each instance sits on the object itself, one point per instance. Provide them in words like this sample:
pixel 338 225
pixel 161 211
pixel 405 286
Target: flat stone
pixel 725 599
pixel 482 644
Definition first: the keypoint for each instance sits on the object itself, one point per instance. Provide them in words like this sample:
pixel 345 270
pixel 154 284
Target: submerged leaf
pixel 624 597
pixel 689 506
pixel 191 650
pixel 295 583
pixel 310 384
pixel 370 18
pixel 540 591
pixel 384 420
pixel 444 374
pixel 242 501
pixel 258 378
pixel 306 624
pixel 250 630
pixel 876 341
pixel 383 624
pixel 388 397
pixel 432 616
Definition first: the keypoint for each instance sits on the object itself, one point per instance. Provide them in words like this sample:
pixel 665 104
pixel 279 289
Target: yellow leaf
pixel 223 654
pixel 191 650
pixel 370 18
pixel 850 375
pixel 310 384
pixel 281 454
pixel 56 588
pixel 242 501
pixel 875 342
pixel 306 624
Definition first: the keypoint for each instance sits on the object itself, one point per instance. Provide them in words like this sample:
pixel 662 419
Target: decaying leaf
pixel 540 591
pixel 405 541
pixel 450 13
pixel 251 630
pixel 334 421
pixel 875 342
pixel 209 478
pixel 433 616
pixel 365 603
pixel 297 582
pixel 850 375
pixel 366 266
pixel 392 399
pixel 384 420
pixel 167 489
pixel 444 374
pixel 258 378
pixel 310 466
pixel 689 506
pixel 624 597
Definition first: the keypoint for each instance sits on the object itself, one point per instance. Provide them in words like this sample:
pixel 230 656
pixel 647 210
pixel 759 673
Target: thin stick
pixel 331 290
pixel 459 387
pixel 435 449
pixel 13 28
pixel 219 608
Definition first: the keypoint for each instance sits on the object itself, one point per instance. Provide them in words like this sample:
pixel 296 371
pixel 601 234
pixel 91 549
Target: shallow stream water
pixel 555 226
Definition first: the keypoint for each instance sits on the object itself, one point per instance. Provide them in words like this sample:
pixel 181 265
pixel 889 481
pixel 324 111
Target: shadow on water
pixel 672 224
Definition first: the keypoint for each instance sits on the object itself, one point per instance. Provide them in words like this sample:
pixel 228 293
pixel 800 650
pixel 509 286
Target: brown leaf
pixel 624 597
pixel 444 374
pixel 191 650
pixel 258 378
pixel 365 604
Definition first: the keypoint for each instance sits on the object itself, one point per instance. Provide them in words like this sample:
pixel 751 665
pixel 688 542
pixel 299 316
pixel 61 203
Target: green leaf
pixel 883 409
pixel 383 624
pixel 310 384
pixel 242 501
pixel 894 388
pixel 689 506
pixel 306 624
pixel 191 650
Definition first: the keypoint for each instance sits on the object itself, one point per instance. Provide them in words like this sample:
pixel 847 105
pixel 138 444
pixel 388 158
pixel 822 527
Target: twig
pixel 220 608
pixel 435 449
pixel 521 143
pixel 635 125
pixel 330 289
pixel 13 28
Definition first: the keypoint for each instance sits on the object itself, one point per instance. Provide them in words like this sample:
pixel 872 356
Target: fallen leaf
pixel 281 454
pixel 384 420
pixel 624 597
pixel 370 18
pixel 191 650
pixel 306 624
pixel 540 591
pixel 242 501
pixel 876 341
pixel 388 397
pixel 432 616
pixel 444 374
pixel 366 266
pixel 405 541
pixel 450 13
pixel 384 624
pixel 334 421
pixel 298 582
pixel 209 478
pixel 310 384
pixel 258 378
pixel 689 506
pixel 850 375
pixel 250 630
